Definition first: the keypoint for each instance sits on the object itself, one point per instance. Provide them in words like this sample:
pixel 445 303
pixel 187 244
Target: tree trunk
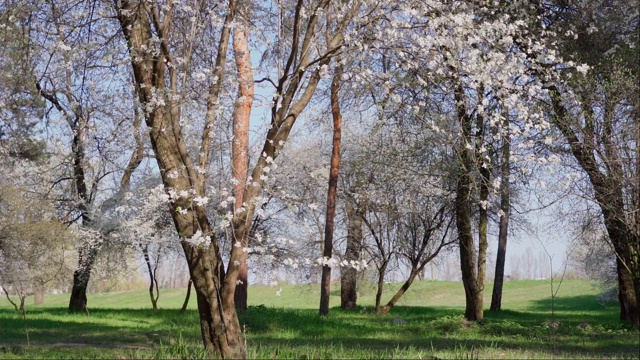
pixel 496 296
pixel 609 196
pixel 381 272
pixel 38 296
pixel 332 191
pixel 154 292
pixel 628 285
pixel 21 309
pixel 89 250
pixel 483 217
pixel 240 145
pixel 473 295
pixel 403 289
pixel 186 298
pixel 348 275
pixel 473 310
pixel 221 333
pixel 87 255
pixel 6 293
pixel 483 244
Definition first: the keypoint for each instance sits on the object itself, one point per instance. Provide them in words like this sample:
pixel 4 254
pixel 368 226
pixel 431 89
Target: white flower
pixel 583 69
pixel 199 239
pixel 200 201
pixel 172 175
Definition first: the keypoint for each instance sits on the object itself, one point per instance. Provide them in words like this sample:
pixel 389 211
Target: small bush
pixel 447 324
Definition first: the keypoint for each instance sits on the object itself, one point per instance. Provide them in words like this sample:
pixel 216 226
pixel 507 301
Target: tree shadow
pixel 102 328
pixel 428 330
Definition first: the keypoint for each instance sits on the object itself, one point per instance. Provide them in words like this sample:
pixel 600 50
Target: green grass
pixel 121 325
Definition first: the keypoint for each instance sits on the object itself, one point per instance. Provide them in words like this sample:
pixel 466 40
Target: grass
pixel 121 325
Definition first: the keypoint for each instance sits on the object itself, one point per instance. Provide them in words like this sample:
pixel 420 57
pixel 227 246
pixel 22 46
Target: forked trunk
pixel 154 291
pixel 219 323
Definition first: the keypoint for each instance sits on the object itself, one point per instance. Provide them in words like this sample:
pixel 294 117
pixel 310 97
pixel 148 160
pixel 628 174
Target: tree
pixel 597 112
pixel 34 247
pixel 404 199
pixel 353 253
pixel 149 31
pixel 469 74
pixel 327 253
pixel 66 50
pixel 505 210
pixel 240 146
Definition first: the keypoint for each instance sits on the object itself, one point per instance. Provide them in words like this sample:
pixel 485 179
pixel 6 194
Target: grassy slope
pixel 523 294
pixel 287 326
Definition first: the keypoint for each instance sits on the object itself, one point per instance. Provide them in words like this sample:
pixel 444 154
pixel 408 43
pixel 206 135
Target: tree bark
pixel 87 255
pixel 473 295
pixel 219 325
pixel 348 275
pixel 607 186
pixel 221 333
pixel 147 26
pixel 154 291
pixel 403 289
pixel 483 219
pixel 325 285
pixel 240 145
pixel 496 296
pixel 381 271
pixel 89 250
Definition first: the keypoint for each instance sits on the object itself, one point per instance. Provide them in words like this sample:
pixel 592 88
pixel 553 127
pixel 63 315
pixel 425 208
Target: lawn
pixel 121 325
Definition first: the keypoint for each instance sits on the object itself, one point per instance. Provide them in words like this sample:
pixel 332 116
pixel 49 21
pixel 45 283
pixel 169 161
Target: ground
pixel 121 325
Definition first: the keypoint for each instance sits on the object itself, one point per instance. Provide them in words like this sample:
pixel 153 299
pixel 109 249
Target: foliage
pixel 34 247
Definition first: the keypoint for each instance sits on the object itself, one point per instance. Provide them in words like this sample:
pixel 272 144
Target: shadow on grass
pixel 428 330
pixel 103 328
pixel 577 303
